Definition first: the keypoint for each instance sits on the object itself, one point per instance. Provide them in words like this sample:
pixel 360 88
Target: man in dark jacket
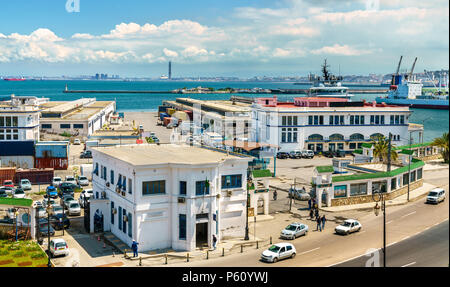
pixel 323 219
pixel 134 247
pixel 319 221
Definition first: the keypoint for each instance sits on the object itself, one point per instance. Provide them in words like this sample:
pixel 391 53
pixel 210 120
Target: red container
pixel 166 121
pixel 35 176
pixel 7 173
pixel 52 162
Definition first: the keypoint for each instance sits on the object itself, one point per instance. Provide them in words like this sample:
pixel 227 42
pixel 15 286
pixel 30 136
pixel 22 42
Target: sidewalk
pixel 402 199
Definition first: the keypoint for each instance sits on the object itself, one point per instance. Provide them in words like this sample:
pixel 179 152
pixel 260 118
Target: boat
pixel 14 79
pixel 405 90
pixel 328 86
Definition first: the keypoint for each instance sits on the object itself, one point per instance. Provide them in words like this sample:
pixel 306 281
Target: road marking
pixel 409 236
pixel 409 264
pixel 309 251
pixel 389 221
pixel 408 214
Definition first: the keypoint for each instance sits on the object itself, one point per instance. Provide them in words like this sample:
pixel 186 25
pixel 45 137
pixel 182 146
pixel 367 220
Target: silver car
pixel 74 208
pixel 82 180
pixel 294 230
pixel 299 194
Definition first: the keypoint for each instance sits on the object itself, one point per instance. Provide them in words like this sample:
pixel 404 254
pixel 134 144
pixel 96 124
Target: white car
pixel 56 181
pixel 76 142
pixel 278 252
pixel 348 226
pixel 25 184
pixel 47 201
pixel 19 193
pixel 41 212
pixel 71 179
pixel 37 204
pixel 436 195
pixel 74 208
pixel 58 247
pixel 87 193
pixel 57 209
pixel 294 230
pixel 82 180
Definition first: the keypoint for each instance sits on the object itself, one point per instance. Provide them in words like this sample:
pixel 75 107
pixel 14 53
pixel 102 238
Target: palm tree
pixel 443 143
pixel 381 148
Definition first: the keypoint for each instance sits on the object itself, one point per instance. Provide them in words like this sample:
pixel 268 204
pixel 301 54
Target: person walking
pixel 214 239
pixel 309 204
pixel 319 221
pixel 311 214
pixel 134 247
pixel 323 219
pixel 316 212
pixel 275 194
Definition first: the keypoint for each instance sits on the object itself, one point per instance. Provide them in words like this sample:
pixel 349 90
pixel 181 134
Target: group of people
pixel 314 214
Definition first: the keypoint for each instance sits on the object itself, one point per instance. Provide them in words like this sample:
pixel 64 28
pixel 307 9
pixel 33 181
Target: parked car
pixel 8 189
pixel 298 194
pixel 19 193
pixel 85 194
pixel 76 142
pixel 295 154
pixel 68 188
pixel 56 181
pixel 58 247
pixel 307 154
pixel 10 213
pixel 45 229
pixel 37 204
pixel 48 201
pixel 329 154
pixel 436 195
pixel 282 155
pixel 340 153
pixel 52 191
pixel 82 180
pixel 41 211
pixel 278 252
pixel 57 209
pixel 73 208
pixel 86 154
pixel 348 226
pixel 71 179
pixel 3 192
pixel 57 221
pixel 294 230
pixel 25 184
pixel 8 183
pixel 66 200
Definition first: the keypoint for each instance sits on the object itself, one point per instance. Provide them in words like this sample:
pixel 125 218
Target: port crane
pixel 398 70
pixel 412 68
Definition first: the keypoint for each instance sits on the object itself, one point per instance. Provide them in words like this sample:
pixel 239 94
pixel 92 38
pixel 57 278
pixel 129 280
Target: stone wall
pixel 368 198
pixel 431 157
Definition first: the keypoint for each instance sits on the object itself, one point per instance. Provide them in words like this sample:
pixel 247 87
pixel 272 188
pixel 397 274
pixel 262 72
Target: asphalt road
pixel 427 249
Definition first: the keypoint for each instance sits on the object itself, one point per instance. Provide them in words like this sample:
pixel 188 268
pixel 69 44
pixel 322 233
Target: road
pixel 327 248
pixel 426 249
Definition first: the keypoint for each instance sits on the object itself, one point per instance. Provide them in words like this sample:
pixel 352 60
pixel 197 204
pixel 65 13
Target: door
pixel 282 253
pixel 260 206
pixel 201 234
pixel 332 147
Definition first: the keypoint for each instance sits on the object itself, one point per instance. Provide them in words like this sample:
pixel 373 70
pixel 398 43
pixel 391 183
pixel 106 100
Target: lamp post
pixel 49 210
pixel 16 213
pixel 379 196
pixel 249 182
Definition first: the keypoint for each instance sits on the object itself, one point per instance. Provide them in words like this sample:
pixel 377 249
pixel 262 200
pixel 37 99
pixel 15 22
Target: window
pixel 382 120
pixel 358 189
pixel 182 227
pixel 96 169
pixel 119 182
pixel 183 188
pixel 330 120
pixel 46 126
pixel 379 186
pixel 130 189
pixel 124 226
pixel 419 174
pixel 288 135
pixel 15 122
pixel 78 126
pixel 377 120
pixel 120 218
pixel 124 183
pixel 372 120
pixel 130 225
pixel 362 119
pixel 289 120
pixel 352 120
pixel 405 179
pixel 111 179
pixel 315 137
pixel 413 176
pixel 397 119
pixel 8 122
pixel 2 121
pixel 392 120
pixel 104 173
pixel 64 126
pixel 283 135
pixel 393 184
pixel 310 120
pixel 402 120
pixel 201 188
pixel 153 187
pixel 340 191
pixel 232 181
pixel 112 213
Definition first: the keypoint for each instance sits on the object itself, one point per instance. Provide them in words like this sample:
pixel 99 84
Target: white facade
pixel 156 219
pixel 20 123
pixel 327 128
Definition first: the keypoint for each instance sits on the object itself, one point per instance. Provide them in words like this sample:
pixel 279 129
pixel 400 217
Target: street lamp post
pixel 379 196
pixel 49 210
pixel 249 181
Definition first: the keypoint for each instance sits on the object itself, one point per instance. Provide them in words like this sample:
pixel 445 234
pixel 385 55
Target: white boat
pixel 328 86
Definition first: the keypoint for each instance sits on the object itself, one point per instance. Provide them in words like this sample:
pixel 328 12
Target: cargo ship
pixel 14 79
pixel 407 91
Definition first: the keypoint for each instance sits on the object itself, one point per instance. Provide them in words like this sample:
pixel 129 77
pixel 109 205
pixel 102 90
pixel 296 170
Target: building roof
pixel 325 169
pixel 152 154
pixel 262 173
pixel 248 146
pixel 17 148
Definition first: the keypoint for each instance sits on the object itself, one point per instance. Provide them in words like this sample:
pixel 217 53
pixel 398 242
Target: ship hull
pixel 420 104
pixel 14 80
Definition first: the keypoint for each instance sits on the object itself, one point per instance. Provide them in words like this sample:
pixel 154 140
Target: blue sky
pixel 224 38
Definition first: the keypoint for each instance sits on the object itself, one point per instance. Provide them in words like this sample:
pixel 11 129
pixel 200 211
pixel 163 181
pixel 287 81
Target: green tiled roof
pixel 367 145
pixel 405 151
pixel 413 146
pixel 16 201
pixel 325 169
pixel 415 164
pixel 358 151
pixel 261 173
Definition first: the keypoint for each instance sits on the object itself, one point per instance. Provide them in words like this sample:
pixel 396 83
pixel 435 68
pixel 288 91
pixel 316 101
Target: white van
pixel 436 195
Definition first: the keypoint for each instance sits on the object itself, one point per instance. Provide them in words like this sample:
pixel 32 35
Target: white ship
pixel 328 86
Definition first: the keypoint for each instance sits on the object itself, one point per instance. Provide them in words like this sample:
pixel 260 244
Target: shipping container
pixel 86 170
pixel 171 111
pixel 19 161
pixel 7 173
pixel 55 163
pixel 52 149
pixel 35 176
pixel 163 115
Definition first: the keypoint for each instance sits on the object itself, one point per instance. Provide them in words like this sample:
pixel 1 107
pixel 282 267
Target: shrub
pixel 65 134
pixel 13 247
pixel 19 254
pixel 4 252
pixel 32 248
pixel 37 255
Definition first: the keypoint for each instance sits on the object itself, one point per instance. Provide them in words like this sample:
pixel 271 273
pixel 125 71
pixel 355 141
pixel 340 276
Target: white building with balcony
pixel 169 196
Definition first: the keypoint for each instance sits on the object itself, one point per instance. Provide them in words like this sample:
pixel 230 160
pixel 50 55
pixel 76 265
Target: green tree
pixel 443 143
pixel 381 148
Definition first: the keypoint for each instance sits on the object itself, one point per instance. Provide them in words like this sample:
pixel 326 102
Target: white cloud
pixel 170 53
pixel 343 50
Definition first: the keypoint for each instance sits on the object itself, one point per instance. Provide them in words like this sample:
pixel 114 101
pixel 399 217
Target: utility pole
pixel 389 153
pixel 409 163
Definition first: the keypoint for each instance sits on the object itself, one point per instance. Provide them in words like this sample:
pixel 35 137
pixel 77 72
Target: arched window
pixel 376 136
pixel 336 137
pixel 315 137
pixel 357 137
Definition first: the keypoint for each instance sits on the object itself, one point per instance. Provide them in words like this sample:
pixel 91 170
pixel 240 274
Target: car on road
pixel 294 230
pixel 56 181
pixel 52 191
pixel 3 192
pixel 19 193
pixel 71 179
pixel 45 229
pixel 25 184
pixel 8 183
pixel 436 195
pixel 307 154
pixel 278 251
pixel 73 208
pixel 82 180
pixel 8 189
pixel 282 155
pixel 58 247
pixel 348 226
pixel 76 142
pixel 85 194
pixel 86 154
pixel 299 194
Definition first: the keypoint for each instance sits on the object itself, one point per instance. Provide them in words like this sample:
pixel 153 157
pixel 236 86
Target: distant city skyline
pixel 242 38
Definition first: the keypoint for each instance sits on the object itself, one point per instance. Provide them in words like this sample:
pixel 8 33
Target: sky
pixel 242 38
